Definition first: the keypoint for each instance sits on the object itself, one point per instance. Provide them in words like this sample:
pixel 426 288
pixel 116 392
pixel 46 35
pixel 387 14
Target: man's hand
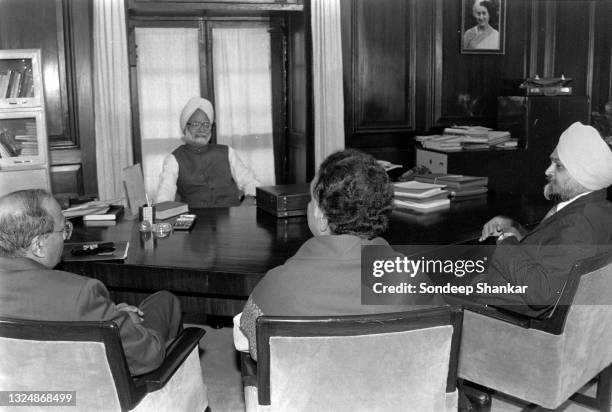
pixel 497 226
pixel 135 313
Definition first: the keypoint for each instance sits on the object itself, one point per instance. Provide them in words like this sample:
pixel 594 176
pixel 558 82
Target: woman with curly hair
pixel 350 206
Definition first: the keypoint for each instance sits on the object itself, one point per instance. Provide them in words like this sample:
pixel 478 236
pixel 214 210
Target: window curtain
pixel 327 78
pixel 243 96
pixel 111 97
pixel 168 68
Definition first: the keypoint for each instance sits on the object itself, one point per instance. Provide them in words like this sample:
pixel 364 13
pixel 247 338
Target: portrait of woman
pixel 483 26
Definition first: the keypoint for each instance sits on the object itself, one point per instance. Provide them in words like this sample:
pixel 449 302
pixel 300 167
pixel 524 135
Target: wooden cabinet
pixel 24 157
pixel 537 121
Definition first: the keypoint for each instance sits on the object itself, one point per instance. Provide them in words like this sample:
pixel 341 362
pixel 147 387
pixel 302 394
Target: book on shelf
pixel 113 213
pixel 432 206
pixel 118 251
pixel 419 190
pixel 169 208
pixel 10 144
pixel 452 180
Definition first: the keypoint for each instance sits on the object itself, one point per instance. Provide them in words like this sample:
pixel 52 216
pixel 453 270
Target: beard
pixel 198 139
pixel 561 192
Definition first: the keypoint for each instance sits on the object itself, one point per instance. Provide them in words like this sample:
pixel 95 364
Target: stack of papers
pixel 457 185
pixel 96 207
pixel 420 197
pixel 466 138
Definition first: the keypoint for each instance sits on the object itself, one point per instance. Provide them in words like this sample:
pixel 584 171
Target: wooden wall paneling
pixel 383 79
pixel 79 30
pixel 278 67
pixel 298 94
pixel 573 48
pixel 601 84
pixel 428 62
pixel 380 77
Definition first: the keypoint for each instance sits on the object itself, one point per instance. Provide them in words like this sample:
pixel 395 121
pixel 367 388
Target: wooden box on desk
pixel 284 200
pixel 505 168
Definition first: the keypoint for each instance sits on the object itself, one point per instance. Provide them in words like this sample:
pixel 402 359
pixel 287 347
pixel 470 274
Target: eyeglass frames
pixel 66 231
pixel 197 125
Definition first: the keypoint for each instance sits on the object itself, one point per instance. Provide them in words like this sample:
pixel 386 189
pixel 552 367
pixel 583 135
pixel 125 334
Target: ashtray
pixel 161 230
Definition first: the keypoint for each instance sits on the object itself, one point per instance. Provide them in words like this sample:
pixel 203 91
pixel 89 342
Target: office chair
pixel 383 362
pixel 87 358
pixel 546 361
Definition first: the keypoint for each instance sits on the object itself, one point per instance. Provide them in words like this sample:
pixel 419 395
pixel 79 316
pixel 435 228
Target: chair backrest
pixel 574 292
pixel 86 357
pixel 363 362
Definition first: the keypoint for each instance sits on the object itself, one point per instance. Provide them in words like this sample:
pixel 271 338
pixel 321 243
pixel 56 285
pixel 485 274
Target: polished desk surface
pixel 214 267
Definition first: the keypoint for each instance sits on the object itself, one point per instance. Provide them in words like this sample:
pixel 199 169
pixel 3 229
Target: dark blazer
pixel 543 259
pixel 28 290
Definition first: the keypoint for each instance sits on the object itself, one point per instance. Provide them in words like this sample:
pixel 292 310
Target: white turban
pixel 194 104
pixel 586 156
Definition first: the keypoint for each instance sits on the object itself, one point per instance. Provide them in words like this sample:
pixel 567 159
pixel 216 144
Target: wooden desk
pixel 214 268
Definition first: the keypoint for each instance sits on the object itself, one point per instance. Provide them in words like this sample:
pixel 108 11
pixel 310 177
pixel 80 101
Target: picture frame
pixel 483 26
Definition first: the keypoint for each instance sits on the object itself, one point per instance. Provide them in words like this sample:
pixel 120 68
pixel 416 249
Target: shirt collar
pixel 561 205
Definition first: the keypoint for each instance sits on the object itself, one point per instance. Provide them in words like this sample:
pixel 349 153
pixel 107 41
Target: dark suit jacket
pixel 543 259
pixel 28 290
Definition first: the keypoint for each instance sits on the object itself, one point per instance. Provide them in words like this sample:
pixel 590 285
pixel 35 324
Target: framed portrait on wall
pixel 483 26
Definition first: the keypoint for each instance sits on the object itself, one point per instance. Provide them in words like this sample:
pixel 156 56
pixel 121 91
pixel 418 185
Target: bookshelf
pixel 24 154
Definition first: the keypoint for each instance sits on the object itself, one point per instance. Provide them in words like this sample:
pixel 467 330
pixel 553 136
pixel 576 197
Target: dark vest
pixel 205 178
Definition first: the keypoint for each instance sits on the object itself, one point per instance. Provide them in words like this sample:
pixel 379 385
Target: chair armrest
pixel 490 311
pixel 176 354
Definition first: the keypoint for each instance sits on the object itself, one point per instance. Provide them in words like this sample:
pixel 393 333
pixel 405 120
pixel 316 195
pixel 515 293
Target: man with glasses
pixel 32 234
pixel 204 174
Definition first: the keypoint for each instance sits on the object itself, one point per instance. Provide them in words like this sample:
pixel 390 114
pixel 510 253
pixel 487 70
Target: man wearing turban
pixel 577 227
pixel 203 174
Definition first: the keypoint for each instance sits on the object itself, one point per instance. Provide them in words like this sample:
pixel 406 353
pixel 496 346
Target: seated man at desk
pixel 32 234
pixel 203 174
pixel 575 228
pixel 350 206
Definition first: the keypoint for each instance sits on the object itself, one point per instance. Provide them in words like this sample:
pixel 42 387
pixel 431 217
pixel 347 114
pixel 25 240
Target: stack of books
pixel 468 138
pixel 420 197
pixel 169 208
pixel 459 186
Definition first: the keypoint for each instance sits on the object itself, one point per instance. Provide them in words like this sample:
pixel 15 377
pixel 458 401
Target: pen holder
pixel 146 213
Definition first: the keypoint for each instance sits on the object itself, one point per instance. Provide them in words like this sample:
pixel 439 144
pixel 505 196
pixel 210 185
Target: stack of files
pixel 446 143
pixel 465 138
pixel 510 143
pixel 420 197
pixel 458 185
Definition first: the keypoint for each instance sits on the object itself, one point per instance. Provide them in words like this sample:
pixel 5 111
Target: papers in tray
pixel 418 190
pixel 96 207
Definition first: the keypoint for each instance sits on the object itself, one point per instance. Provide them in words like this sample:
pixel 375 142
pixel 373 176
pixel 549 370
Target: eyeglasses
pixel 66 231
pixel 197 125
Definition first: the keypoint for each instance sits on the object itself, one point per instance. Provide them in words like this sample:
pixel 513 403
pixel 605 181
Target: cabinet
pixel 24 155
pixel 504 167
